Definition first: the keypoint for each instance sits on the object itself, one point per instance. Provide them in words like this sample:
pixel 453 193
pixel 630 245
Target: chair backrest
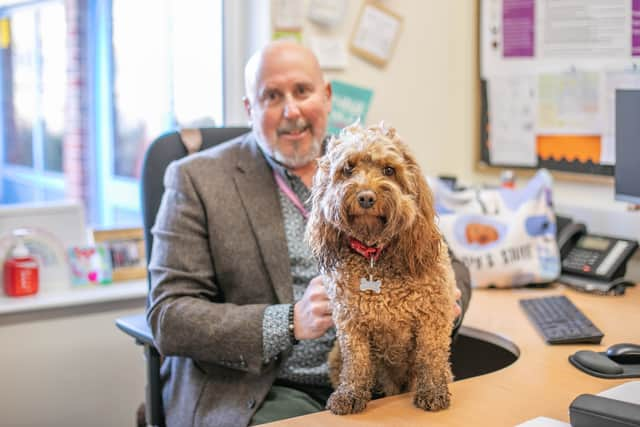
pixel 162 151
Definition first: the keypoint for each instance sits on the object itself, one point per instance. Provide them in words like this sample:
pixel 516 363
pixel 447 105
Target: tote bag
pixel 506 237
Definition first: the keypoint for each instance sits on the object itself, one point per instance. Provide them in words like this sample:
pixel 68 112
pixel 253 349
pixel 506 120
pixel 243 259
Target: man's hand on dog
pixel 312 314
pixel 457 309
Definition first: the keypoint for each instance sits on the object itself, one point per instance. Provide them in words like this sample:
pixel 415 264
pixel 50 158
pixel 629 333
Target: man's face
pixel 289 106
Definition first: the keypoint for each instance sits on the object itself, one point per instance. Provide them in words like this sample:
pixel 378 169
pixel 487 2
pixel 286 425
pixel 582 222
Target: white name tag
pixel 370 285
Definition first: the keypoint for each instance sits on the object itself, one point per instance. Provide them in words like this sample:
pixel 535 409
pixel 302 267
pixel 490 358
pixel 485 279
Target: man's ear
pixel 247 106
pixel 328 93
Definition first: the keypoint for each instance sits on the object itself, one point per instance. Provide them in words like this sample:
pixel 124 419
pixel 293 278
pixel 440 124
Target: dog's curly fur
pixel 398 339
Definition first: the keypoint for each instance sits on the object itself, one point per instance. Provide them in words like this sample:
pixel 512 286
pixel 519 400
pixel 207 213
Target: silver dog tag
pixel 370 285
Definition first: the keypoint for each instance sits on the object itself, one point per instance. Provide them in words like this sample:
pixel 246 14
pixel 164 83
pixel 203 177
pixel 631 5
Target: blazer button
pixel 251 403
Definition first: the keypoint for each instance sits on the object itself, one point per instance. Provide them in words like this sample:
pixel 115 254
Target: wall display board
pixel 549 71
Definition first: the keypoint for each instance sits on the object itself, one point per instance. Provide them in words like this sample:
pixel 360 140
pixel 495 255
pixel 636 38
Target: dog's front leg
pixel 356 375
pixel 432 371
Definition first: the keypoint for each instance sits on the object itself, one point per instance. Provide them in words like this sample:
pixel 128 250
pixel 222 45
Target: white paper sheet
pixel 543 422
pixel 288 14
pixel 329 13
pixel 331 52
pixel 512 102
pixel 568 103
pixel 627 392
pixel 585 28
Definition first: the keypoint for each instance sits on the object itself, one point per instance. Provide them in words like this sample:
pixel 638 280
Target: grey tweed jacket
pixel 219 238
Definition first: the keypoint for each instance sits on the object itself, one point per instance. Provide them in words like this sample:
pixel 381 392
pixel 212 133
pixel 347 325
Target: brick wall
pixel 77 148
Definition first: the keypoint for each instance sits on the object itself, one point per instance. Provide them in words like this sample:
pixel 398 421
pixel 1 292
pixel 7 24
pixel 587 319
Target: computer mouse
pixel 625 353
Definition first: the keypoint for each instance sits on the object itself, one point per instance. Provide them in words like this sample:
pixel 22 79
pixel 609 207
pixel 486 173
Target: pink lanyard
pixel 290 194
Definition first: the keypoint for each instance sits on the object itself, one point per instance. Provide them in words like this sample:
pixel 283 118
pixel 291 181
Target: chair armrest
pixel 136 326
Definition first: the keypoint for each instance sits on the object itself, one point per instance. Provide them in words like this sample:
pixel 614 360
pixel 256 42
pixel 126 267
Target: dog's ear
pixel 420 245
pixel 323 238
pixel 333 143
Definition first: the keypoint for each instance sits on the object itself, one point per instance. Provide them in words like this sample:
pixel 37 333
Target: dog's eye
pixel 388 171
pixel 347 170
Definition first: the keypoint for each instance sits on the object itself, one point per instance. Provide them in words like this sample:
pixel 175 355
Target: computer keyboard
pixel 559 321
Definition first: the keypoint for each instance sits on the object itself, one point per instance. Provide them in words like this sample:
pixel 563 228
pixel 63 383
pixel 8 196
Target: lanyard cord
pixel 290 194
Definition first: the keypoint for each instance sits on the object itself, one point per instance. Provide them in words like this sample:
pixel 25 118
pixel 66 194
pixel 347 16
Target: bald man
pixel 237 305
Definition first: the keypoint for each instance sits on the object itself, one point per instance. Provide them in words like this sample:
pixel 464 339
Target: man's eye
pixel 388 171
pixel 347 170
pixel 272 96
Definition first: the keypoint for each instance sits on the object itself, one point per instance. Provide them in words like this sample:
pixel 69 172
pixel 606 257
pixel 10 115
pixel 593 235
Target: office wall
pixel 70 367
pixel 429 92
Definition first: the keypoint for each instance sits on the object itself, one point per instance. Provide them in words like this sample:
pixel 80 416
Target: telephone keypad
pixel 581 259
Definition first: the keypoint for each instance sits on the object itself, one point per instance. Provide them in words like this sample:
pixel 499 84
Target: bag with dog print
pixel 506 237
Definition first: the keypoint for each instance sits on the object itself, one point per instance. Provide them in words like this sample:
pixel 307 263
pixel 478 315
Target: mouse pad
pixel 599 365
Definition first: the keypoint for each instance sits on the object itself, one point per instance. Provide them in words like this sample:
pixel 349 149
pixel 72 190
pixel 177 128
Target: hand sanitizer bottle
pixel 20 269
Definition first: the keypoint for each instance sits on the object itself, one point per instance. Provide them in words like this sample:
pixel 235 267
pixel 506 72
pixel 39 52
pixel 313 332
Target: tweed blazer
pixel 219 237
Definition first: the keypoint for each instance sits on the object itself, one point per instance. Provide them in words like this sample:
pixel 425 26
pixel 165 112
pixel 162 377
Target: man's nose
pixel 291 109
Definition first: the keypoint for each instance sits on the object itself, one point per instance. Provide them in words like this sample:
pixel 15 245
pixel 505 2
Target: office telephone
pixel 592 262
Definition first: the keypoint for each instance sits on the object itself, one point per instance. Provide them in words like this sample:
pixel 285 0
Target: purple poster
pixel 518 20
pixel 635 28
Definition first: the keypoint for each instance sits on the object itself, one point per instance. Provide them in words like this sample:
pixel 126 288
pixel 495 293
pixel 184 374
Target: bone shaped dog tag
pixel 370 285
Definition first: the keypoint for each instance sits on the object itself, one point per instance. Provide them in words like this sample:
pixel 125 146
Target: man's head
pixel 288 102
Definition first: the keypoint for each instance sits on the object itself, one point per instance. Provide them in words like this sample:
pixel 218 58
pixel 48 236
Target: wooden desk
pixel 541 382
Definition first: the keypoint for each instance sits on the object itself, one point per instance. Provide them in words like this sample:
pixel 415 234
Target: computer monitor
pixel 627 169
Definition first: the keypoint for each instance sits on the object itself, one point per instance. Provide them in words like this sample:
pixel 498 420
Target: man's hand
pixel 312 314
pixel 457 310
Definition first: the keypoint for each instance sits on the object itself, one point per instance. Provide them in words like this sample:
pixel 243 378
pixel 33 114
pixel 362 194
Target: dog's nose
pixel 366 199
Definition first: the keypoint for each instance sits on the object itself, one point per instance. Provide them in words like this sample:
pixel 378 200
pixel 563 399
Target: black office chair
pixel 161 152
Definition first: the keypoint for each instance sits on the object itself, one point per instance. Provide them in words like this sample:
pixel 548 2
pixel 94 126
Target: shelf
pixel 117 291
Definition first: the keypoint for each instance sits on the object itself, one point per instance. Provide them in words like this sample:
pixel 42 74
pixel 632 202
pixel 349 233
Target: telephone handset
pixel 591 259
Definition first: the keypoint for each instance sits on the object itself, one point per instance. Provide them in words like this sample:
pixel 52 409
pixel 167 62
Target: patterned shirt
pixel 305 362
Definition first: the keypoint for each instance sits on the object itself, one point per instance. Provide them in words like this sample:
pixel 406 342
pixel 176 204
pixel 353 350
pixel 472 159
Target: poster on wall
pixel 550 70
pixel 350 103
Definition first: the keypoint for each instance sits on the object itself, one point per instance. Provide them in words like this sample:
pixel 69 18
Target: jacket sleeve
pixel 186 312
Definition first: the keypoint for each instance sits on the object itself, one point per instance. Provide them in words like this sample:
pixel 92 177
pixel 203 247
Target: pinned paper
pixel 330 51
pixel 295 36
pixel 349 103
pixel 288 14
pixel 328 13
pixel 5 33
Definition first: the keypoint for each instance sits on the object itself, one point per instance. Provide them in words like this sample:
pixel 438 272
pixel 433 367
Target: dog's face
pixel 368 185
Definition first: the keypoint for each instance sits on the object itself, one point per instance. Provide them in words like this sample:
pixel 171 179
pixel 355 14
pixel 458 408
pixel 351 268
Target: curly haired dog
pixel 389 277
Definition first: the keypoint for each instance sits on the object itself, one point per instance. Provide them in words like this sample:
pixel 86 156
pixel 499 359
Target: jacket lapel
pixel 254 180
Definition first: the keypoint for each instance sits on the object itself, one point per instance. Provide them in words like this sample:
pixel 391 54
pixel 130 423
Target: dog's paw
pixel 433 399
pixel 343 402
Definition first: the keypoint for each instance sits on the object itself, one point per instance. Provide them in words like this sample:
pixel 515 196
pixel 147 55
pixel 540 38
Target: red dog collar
pixel 369 252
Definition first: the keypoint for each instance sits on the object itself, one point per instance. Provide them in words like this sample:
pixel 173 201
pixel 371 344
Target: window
pixel 33 74
pixel 147 66
pixel 167 76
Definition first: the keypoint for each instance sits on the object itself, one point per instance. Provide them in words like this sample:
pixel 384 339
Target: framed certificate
pixel 376 33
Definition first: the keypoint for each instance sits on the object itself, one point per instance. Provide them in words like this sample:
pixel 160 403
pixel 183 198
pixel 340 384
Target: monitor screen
pixel 627 169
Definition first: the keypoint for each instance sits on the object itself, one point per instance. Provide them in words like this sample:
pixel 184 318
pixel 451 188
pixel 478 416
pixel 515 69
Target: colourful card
pixel 90 265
